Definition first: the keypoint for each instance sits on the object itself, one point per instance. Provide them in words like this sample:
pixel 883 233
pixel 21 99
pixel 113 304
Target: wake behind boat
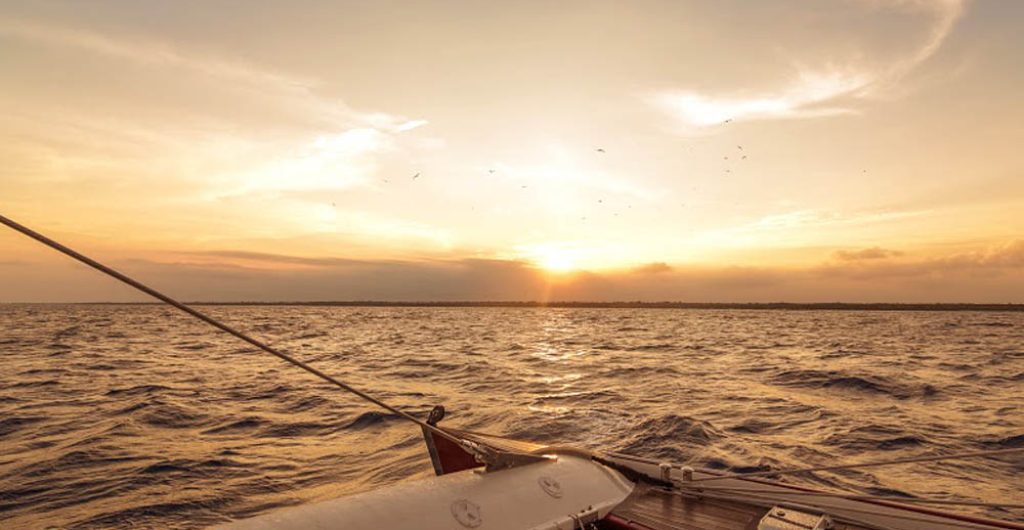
pixel 495 483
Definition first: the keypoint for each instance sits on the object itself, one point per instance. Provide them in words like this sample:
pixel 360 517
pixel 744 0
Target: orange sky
pixel 853 150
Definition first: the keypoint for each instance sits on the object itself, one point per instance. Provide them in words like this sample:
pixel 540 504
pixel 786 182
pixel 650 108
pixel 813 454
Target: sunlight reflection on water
pixel 117 415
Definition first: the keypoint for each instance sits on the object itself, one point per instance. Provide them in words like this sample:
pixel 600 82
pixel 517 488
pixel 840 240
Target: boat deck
pixel 657 509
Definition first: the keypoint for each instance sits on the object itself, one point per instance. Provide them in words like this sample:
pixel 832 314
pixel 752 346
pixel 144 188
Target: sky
pixel 802 151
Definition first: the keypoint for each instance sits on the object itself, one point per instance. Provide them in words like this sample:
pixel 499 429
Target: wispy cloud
pixel 325 162
pixel 867 254
pixel 333 147
pixel 298 91
pixel 807 96
pixel 800 227
pixel 816 91
pixel 803 218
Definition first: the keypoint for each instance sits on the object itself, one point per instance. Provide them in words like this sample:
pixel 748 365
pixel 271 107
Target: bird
pixel 599 150
pixel 744 157
pixel 740 147
pixel 725 158
pixel 490 171
pixel 728 120
pixel 416 176
pixel 524 186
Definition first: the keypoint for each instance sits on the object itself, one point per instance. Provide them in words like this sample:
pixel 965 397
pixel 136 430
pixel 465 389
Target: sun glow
pixel 556 259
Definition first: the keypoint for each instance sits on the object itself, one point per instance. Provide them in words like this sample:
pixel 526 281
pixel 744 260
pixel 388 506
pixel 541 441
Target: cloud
pixel 801 226
pixel 803 218
pixel 653 268
pixel 326 162
pixel 244 147
pixel 866 254
pixel 995 261
pixel 816 91
pixel 297 91
pixel 802 99
pixel 993 274
pixel 263 259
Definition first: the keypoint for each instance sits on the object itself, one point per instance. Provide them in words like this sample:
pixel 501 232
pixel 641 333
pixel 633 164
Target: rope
pixel 957 456
pixel 472 447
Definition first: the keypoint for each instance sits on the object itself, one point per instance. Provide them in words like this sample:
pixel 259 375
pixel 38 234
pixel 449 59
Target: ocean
pixel 139 416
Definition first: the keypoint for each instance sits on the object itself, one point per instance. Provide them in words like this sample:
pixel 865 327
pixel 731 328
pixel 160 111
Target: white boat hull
pixel 548 495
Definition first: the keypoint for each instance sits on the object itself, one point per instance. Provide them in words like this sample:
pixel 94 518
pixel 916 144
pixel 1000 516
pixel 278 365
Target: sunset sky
pixel 857 150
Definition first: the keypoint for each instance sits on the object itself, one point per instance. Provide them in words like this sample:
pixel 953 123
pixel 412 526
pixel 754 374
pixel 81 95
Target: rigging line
pixel 851 496
pixel 472 447
pixel 957 456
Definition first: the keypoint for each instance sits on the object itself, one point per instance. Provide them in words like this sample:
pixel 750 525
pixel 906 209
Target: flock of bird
pixel 741 155
pixel 601 150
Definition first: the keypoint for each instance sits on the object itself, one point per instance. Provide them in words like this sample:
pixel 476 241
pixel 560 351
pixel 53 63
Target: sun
pixel 556 260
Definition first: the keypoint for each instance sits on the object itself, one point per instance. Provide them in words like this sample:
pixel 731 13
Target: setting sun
pixel 556 260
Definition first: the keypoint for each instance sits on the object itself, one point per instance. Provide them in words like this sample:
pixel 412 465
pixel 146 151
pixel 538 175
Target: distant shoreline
pixel 828 306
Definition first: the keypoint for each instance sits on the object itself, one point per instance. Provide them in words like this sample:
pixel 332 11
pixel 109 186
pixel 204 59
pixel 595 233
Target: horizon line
pixel 569 304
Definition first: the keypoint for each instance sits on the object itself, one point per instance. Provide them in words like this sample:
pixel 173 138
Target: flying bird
pixel 416 176
pixel 599 150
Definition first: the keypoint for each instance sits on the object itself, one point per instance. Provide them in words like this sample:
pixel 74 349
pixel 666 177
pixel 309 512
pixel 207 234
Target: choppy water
pixel 115 416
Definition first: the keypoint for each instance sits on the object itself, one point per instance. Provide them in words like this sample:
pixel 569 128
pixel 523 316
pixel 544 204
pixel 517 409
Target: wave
pixel 670 434
pixel 137 390
pixel 371 419
pixel 245 425
pixel 131 424
pixel 866 384
pixel 12 424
